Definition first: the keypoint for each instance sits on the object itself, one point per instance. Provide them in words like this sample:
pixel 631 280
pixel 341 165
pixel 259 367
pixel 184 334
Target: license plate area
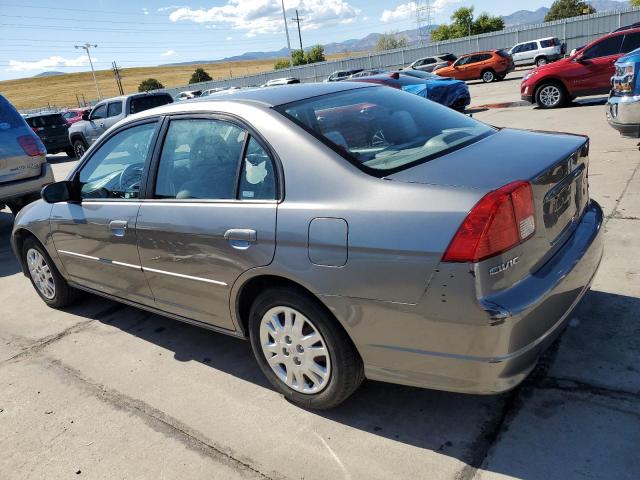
pixel 564 203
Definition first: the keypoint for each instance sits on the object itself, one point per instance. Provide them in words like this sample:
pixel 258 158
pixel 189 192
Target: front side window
pixel 99 112
pixel 115 108
pixel 199 160
pixel 463 61
pixel 604 48
pixel 115 169
pixel 516 49
pixel 382 129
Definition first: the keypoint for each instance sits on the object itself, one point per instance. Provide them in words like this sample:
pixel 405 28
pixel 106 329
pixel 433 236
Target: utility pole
pixel 286 30
pixel 86 48
pixel 116 73
pixel 297 19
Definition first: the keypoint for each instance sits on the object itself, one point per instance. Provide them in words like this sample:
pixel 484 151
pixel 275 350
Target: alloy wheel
pixel 549 95
pixel 541 61
pixel 488 77
pixel 41 273
pixel 295 350
pixel 79 149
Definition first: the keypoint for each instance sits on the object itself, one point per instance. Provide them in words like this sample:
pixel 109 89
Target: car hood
pixel 503 157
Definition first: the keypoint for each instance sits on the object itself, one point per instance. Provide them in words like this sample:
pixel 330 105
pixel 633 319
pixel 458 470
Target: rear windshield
pixel 9 117
pixel 46 120
pixel 383 130
pixel 140 104
pixel 503 53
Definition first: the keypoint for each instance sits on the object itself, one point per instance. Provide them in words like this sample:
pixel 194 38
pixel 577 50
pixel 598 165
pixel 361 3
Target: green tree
pixel 635 3
pixel 149 84
pixel 298 58
pixel 281 63
pixel 315 54
pixel 390 41
pixel 463 24
pixel 200 76
pixel 566 9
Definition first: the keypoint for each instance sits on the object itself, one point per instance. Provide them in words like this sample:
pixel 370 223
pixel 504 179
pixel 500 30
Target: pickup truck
pixel 623 106
pixel 107 113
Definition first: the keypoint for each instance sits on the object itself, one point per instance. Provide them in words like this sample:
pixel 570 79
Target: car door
pixel 517 54
pixel 96 236
pixel 211 216
pixel 114 115
pixel 460 69
pixel 95 126
pixel 594 68
pixel 528 53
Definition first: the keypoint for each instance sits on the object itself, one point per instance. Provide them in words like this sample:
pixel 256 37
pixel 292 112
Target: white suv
pixel 538 52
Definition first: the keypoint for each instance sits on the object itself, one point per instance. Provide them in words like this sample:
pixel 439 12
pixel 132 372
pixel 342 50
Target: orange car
pixel 489 66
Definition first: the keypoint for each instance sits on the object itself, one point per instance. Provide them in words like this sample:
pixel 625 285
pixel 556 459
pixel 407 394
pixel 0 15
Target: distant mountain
pixel 525 17
pixel 48 74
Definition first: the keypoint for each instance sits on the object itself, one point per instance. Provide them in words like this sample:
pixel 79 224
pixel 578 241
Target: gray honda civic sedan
pixel 349 231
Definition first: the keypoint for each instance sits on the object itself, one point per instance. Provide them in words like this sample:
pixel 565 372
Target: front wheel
pixel 79 148
pixel 302 350
pixel 488 76
pixel 551 95
pixel 44 275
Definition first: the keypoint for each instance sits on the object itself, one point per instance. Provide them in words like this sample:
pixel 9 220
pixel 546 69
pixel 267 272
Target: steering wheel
pixel 130 178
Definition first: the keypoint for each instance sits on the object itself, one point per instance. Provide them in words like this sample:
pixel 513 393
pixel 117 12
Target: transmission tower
pixel 423 20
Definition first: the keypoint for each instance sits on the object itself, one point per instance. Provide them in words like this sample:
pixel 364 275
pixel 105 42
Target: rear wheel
pixel 302 350
pixel 45 278
pixel 541 61
pixel 488 76
pixel 79 147
pixel 551 95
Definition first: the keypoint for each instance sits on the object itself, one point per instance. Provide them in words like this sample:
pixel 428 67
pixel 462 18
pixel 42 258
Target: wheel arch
pixel 18 238
pixel 549 79
pixel 73 136
pixel 251 287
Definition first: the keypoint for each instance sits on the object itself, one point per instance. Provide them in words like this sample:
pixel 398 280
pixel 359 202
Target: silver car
pixel 348 230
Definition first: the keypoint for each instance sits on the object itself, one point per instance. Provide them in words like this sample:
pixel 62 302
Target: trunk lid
pixel 555 165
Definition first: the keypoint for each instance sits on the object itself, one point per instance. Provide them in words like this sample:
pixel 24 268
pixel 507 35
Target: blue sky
pixel 40 35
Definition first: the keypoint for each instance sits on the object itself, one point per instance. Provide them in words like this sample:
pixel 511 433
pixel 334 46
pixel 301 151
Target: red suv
pixel 587 72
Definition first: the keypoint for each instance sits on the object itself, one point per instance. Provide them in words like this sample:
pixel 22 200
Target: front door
pixel 593 69
pixel 96 123
pixel 96 237
pixel 212 217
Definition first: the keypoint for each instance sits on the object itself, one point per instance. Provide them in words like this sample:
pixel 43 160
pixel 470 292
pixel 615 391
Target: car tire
pixel 551 95
pixel 45 277
pixel 540 61
pixel 488 76
pixel 71 152
pixel 318 375
pixel 79 147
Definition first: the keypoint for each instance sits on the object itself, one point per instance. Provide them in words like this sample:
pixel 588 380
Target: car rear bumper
pixel 490 349
pixel 29 186
pixel 623 114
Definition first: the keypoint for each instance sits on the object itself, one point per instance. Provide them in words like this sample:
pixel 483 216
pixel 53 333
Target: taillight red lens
pixel 498 222
pixel 32 145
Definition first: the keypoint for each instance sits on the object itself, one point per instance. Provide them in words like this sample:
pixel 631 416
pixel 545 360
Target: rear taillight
pixel 32 145
pixel 501 220
pixel 37 129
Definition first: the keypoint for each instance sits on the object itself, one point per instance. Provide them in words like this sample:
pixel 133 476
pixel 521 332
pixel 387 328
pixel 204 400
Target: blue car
pixel 623 106
pixel 448 92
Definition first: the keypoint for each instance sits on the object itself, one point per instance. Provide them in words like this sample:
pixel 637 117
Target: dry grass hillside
pixel 61 90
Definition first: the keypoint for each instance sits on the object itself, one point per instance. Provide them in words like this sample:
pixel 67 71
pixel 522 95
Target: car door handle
pixel 240 238
pixel 118 227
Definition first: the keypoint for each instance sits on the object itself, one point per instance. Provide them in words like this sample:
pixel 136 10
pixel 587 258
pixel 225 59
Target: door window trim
pixel 75 176
pixel 251 132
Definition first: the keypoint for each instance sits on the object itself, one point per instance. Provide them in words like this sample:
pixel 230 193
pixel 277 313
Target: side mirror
pixel 58 192
pixel 580 58
pixel 85 114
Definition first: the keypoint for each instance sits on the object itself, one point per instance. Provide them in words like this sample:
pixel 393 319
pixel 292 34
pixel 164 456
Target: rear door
pixel 115 113
pixel 210 217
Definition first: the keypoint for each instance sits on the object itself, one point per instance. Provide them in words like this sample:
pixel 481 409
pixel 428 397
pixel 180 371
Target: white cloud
pixel 168 53
pixel 265 16
pixel 408 10
pixel 51 62
pixel 229 38
pixel 145 11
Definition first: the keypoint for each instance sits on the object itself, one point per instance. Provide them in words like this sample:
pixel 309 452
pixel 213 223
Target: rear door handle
pixel 118 227
pixel 240 238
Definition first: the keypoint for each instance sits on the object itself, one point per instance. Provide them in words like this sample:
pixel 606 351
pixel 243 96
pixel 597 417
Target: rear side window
pixel 631 42
pixel 448 57
pixel 199 160
pixel 528 47
pixel 9 116
pixel 383 130
pixel 140 104
pixel 257 178
pixel 604 48
pixel 115 108
pixel 503 53
pixel 549 42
